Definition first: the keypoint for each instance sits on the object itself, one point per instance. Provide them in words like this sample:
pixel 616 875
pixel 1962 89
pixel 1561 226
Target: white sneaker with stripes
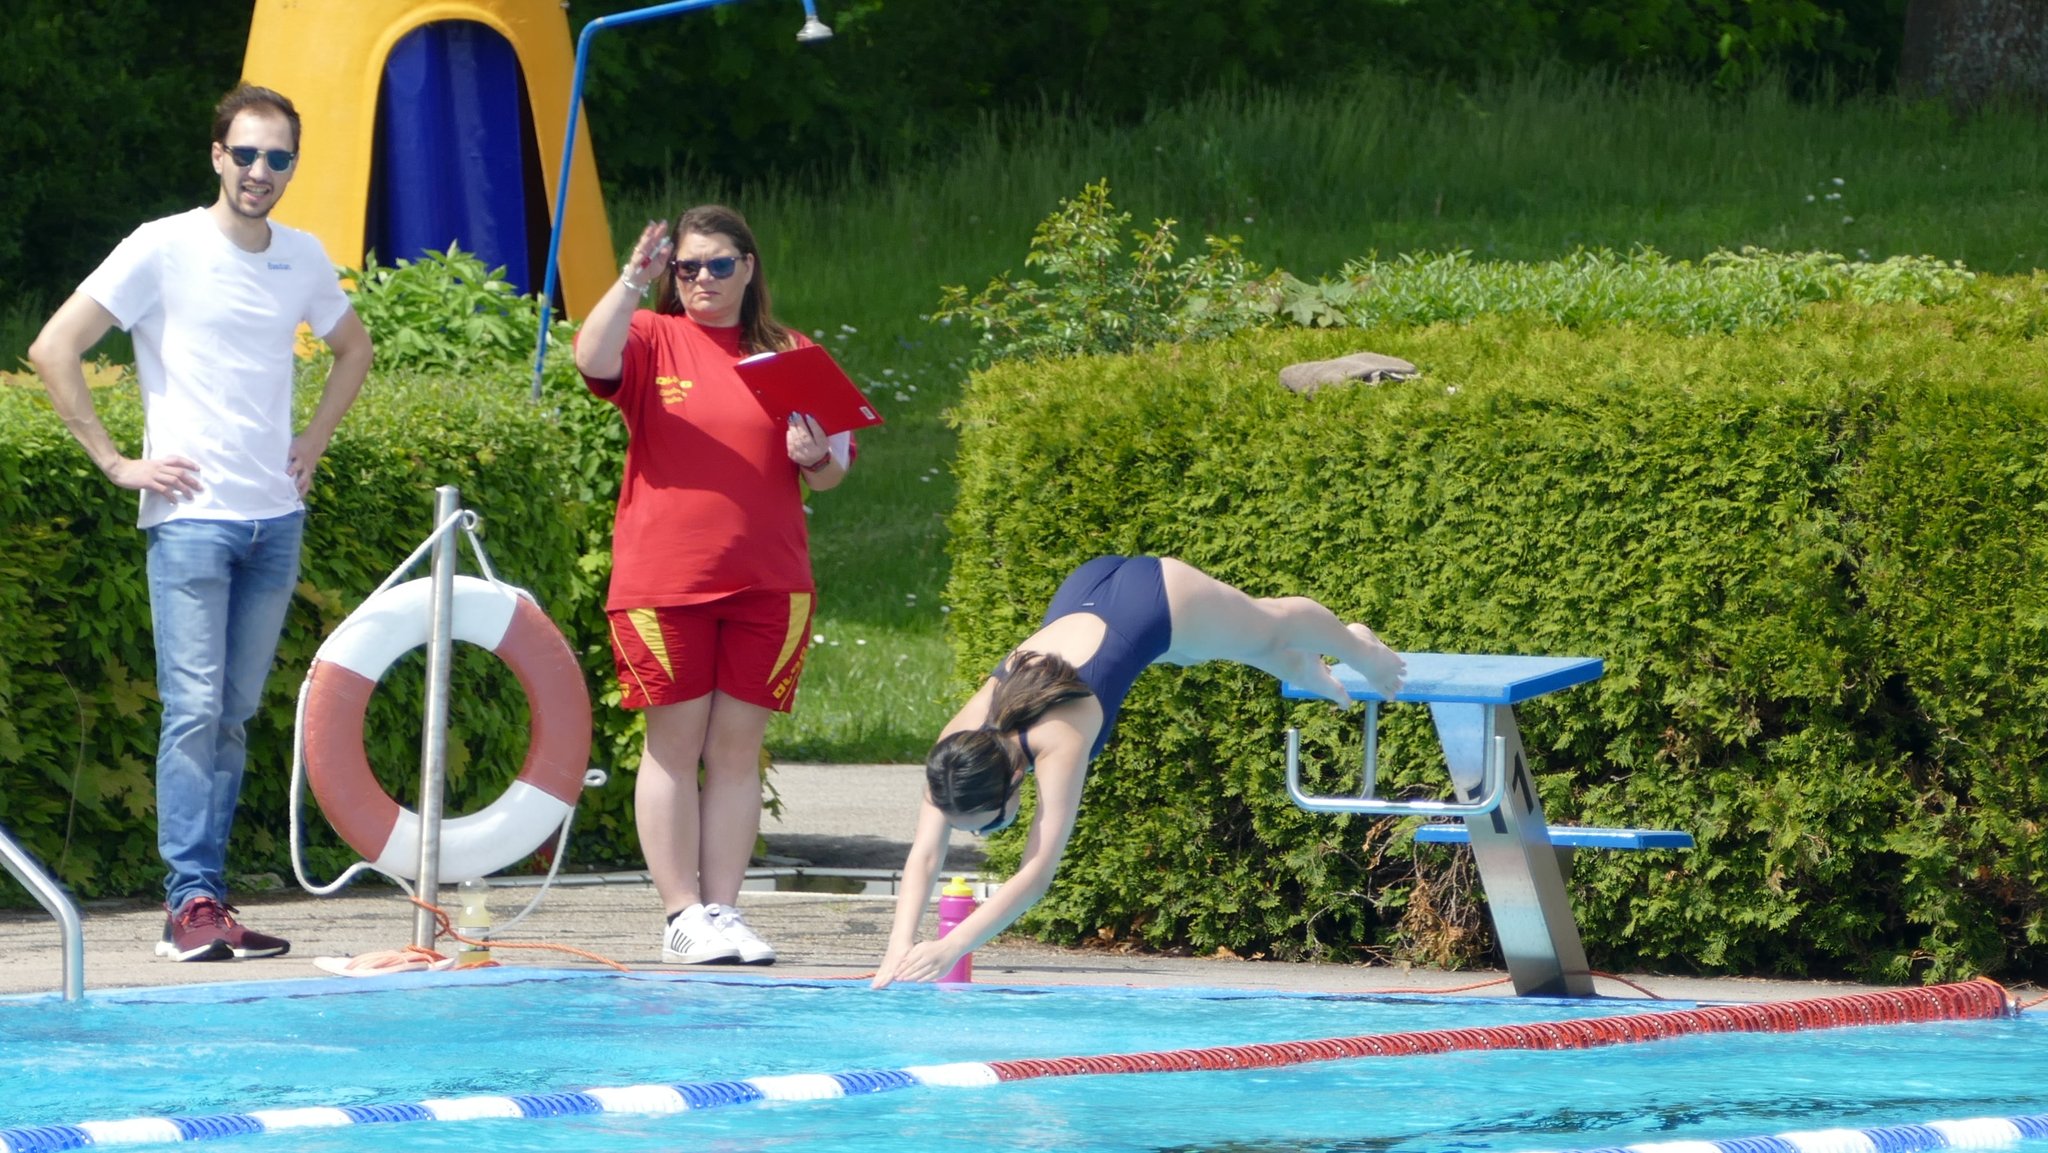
pixel 691 939
pixel 734 928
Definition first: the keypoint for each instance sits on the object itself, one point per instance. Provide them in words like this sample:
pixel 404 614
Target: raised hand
pixel 649 252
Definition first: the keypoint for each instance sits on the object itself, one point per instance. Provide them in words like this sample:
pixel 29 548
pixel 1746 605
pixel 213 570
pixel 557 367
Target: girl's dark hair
pixel 973 771
pixel 245 97
pixel 759 330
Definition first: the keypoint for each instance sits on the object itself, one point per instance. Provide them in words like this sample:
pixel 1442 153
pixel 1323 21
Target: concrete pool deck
pixel 845 830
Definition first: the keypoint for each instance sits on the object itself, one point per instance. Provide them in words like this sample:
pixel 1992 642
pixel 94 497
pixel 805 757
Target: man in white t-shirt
pixel 213 299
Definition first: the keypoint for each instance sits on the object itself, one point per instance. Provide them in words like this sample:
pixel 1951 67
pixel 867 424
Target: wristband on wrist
pixel 819 464
pixel 637 289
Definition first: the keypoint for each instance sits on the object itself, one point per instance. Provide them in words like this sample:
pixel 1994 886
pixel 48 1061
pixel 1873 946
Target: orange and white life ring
pixel 346 670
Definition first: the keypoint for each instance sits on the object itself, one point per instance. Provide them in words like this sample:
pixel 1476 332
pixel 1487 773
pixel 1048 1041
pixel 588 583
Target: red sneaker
pixel 196 933
pixel 206 930
pixel 247 942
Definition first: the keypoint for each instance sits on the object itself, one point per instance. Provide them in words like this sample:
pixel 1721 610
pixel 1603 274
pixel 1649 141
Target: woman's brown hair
pixel 759 330
pixel 974 770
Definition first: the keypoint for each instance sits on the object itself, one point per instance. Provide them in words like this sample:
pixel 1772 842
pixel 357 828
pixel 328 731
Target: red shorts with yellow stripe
pixel 749 646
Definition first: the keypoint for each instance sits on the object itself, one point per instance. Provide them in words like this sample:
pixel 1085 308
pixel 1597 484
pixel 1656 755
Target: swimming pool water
pixel 232 1049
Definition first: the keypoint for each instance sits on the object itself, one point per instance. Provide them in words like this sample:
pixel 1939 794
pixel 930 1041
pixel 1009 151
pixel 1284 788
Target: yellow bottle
pixel 474 921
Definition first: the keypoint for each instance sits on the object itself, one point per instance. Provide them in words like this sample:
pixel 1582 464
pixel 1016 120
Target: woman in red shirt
pixel 711 593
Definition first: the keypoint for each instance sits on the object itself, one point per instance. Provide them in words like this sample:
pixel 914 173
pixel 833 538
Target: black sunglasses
pixel 721 267
pixel 245 156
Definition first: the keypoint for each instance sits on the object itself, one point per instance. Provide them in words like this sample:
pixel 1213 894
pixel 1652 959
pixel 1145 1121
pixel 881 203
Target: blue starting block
pixel 1572 836
pixel 1565 839
pixel 1472 698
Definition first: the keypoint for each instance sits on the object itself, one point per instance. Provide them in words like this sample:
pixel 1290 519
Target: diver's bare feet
pixel 1323 683
pixel 1306 669
pixel 1383 667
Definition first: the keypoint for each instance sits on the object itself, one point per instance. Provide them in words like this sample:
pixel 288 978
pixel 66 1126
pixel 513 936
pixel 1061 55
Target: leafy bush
pixel 447 313
pixel 79 735
pixel 1809 555
pixel 1097 299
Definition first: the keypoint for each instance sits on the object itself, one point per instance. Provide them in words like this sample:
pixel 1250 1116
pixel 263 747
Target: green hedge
pixel 1810 556
pixel 78 717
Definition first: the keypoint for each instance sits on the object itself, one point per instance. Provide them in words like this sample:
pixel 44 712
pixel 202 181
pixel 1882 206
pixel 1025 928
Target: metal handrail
pixel 58 902
pixel 1493 775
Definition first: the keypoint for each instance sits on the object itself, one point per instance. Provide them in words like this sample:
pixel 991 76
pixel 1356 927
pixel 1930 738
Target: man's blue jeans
pixel 218 591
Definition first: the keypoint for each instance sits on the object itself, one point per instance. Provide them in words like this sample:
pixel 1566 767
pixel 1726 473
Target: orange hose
pixel 446 928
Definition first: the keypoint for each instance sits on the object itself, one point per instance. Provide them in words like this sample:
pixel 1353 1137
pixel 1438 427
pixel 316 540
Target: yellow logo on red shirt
pixel 674 389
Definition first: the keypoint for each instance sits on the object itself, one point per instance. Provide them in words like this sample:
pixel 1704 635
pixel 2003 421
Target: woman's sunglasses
pixel 279 160
pixel 720 268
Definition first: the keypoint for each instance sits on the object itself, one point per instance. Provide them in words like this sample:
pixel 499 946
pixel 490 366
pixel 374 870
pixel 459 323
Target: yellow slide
pixel 329 56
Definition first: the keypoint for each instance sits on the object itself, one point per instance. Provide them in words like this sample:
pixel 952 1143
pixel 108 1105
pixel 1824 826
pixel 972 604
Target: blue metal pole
pixel 813 29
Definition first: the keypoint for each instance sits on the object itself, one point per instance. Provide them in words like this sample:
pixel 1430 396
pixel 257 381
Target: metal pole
pixel 58 902
pixel 813 29
pixel 434 731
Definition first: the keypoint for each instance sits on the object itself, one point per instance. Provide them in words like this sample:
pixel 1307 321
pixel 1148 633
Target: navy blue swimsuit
pixel 1129 594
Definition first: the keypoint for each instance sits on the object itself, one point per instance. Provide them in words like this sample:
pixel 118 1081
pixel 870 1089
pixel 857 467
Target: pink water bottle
pixel 956 904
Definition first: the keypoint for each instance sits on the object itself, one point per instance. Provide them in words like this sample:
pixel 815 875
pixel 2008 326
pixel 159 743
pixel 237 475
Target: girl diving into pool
pixel 1051 704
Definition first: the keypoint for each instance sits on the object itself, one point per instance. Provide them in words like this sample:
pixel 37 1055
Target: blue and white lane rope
pixel 1970 1133
pixel 628 1099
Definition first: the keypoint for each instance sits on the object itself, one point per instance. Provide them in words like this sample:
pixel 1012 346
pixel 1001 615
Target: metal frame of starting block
pixel 1471 697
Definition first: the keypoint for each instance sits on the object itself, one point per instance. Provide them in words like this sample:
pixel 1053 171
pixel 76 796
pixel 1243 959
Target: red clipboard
pixel 808 380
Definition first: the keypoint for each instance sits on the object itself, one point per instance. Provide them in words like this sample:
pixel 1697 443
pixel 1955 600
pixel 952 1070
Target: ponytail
pixel 1033 684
